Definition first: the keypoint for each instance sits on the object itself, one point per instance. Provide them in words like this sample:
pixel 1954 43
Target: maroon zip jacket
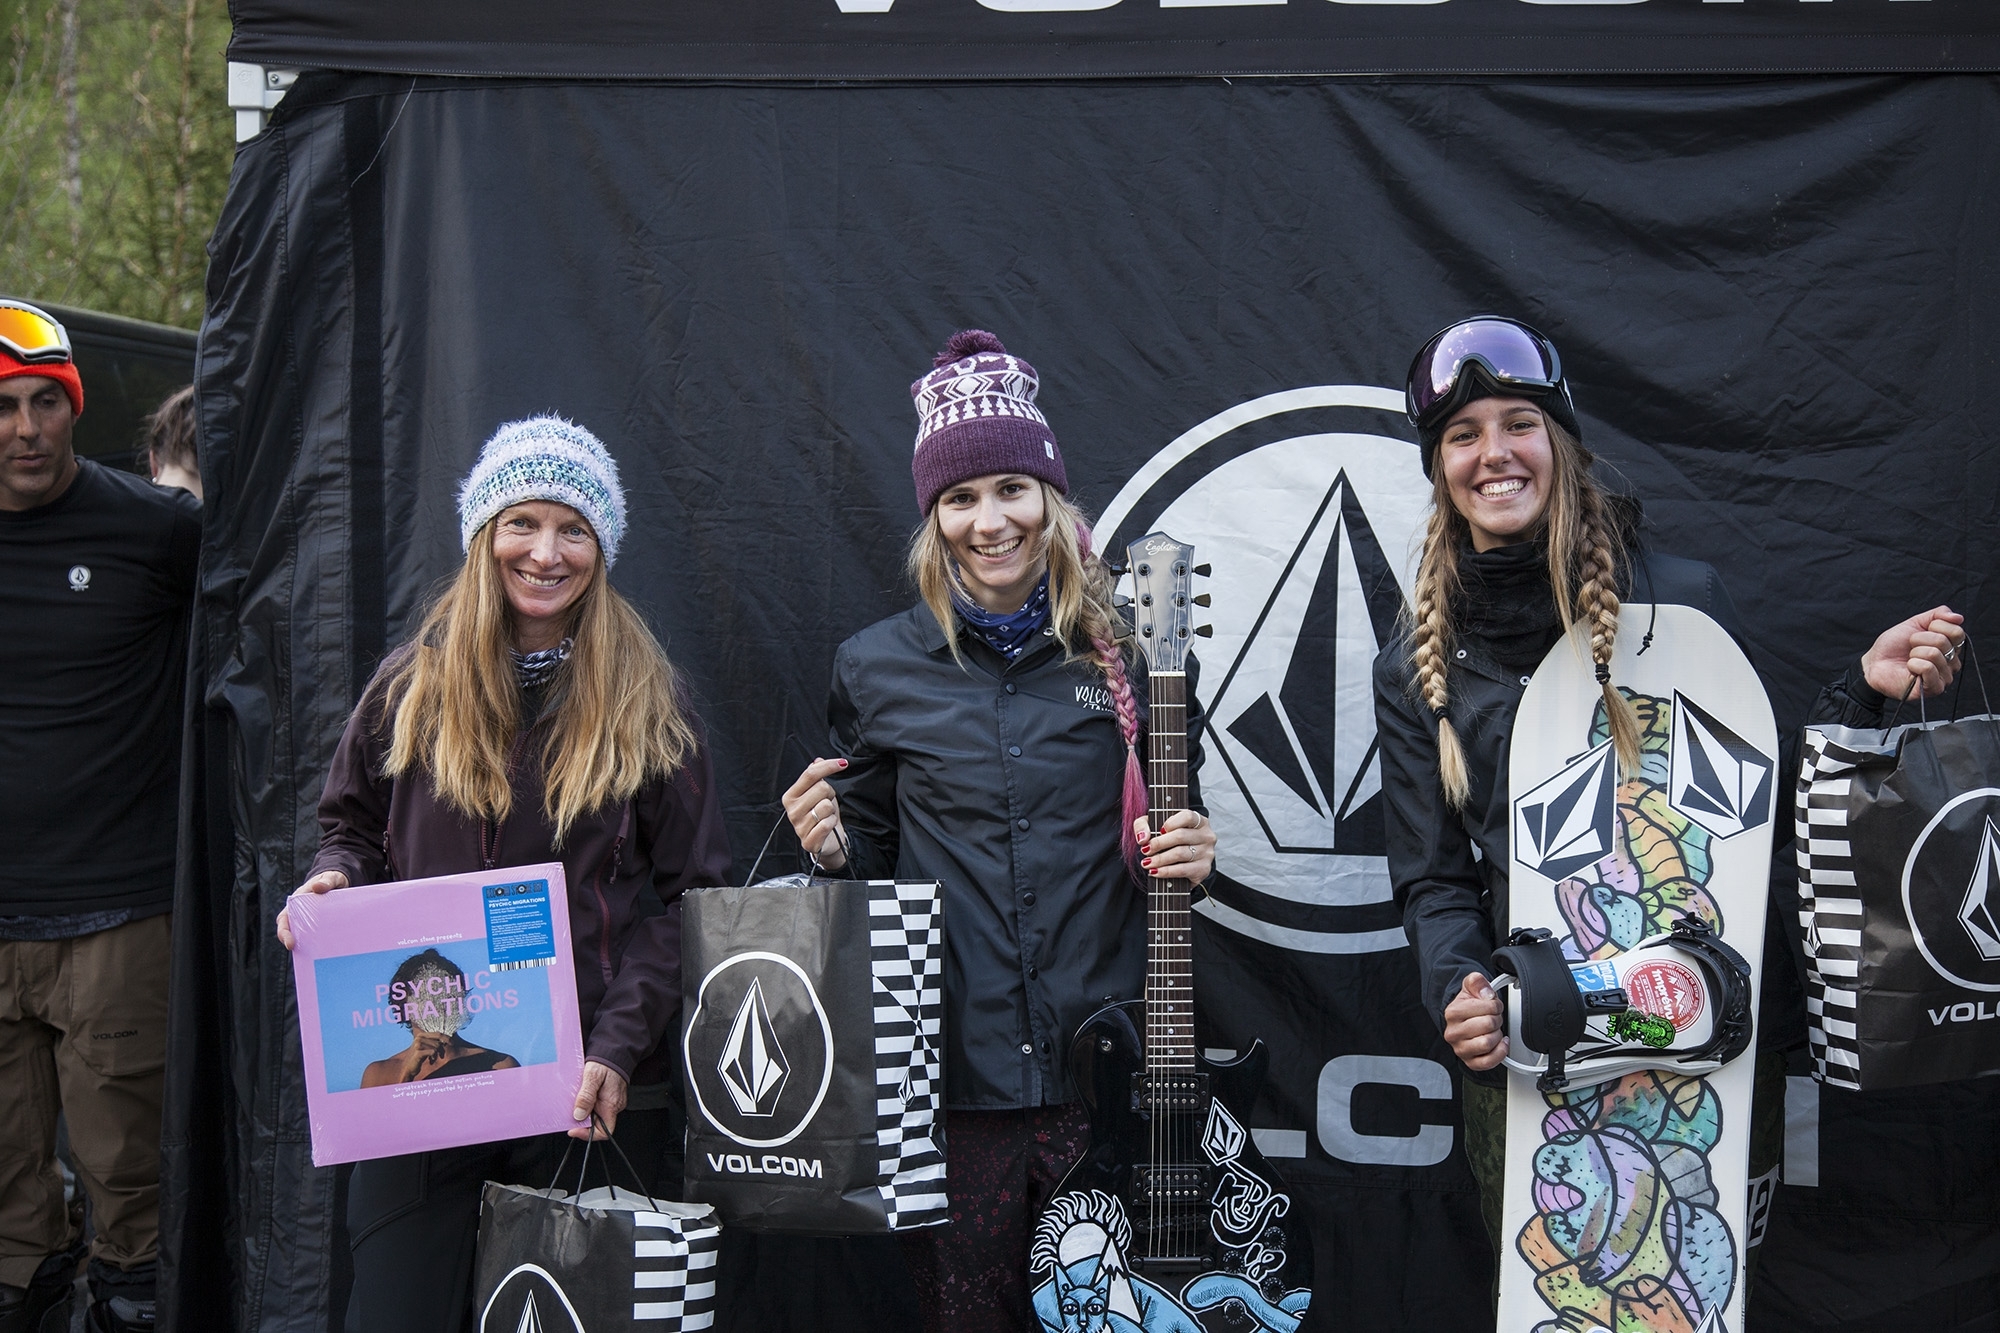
pixel 667 839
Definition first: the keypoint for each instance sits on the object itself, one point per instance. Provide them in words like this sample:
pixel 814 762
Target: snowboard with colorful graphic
pixel 1627 1200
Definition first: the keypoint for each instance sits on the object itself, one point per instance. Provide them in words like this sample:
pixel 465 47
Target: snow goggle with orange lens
pixel 32 336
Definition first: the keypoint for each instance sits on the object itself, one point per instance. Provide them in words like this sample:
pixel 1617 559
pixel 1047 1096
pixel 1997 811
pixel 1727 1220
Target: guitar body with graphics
pixel 1171 1221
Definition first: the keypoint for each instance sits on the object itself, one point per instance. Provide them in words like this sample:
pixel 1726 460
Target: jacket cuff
pixel 1860 691
pixel 339 858
pixel 614 1060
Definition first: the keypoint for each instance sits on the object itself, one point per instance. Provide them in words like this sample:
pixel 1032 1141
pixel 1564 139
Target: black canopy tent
pixel 727 243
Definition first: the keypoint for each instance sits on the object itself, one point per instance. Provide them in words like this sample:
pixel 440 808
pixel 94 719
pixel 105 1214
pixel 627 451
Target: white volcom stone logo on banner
pixel 759 1051
pixel 1312 535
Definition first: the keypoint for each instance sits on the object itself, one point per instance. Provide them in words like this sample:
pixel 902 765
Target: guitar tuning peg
pixel 1202 599
pixel 1120 599
pixel 1204 570
pixel 1117 571
pixel 1205 631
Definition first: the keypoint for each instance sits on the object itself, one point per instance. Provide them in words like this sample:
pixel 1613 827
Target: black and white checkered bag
pixel 1899 901
pixel 813 1029
pixel 608 1259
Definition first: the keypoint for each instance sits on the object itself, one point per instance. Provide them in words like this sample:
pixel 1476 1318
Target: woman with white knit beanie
pixel 532 717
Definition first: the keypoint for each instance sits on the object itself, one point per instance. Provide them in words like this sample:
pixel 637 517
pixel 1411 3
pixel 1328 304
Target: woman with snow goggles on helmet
pixel 1522 543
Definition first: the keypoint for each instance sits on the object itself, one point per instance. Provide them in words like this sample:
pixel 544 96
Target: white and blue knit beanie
pixel 545 458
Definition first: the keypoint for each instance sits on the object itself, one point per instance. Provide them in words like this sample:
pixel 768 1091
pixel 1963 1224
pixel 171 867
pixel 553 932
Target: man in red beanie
pixel 96 581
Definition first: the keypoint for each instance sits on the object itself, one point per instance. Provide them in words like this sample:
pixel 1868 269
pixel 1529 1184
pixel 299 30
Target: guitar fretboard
pixel 1169 966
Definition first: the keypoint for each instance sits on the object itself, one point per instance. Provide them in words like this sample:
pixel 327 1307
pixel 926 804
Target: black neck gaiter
pixel 1506 601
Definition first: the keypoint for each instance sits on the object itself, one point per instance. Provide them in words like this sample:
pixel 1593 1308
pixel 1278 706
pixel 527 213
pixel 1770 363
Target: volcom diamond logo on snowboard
pixel 1718 779
pixel 753 1064
pixel 1569 821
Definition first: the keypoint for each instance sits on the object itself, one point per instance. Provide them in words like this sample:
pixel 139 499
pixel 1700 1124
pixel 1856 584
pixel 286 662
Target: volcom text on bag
pixel 770 1164
pixel 1962 1012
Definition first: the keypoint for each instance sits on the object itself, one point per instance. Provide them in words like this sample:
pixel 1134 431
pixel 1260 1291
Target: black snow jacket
pixel 1002 781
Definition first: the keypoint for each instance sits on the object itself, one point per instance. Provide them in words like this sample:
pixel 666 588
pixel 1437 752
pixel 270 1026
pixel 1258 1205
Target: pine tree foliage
pixel 115 147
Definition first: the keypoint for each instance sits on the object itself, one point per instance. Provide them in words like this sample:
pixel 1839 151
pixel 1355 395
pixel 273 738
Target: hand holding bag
pixel 597 1262
pixel 1899 884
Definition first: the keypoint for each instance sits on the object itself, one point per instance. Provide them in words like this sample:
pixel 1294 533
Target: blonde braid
pixel 1437 578
pixel 1597 606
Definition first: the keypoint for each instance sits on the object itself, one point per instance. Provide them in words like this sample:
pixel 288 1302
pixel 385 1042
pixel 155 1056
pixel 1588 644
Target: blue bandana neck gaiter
pixel 1010 634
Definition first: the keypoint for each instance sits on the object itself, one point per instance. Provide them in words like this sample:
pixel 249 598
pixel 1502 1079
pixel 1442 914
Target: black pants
pixel 413 1222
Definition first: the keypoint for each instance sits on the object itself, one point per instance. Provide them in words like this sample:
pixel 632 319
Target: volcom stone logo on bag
pixel 1951 889
pixel 530 1300
pixel 753 1065
pixel 759 1050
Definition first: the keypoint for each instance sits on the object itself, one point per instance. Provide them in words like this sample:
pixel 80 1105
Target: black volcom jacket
pixel 1000 780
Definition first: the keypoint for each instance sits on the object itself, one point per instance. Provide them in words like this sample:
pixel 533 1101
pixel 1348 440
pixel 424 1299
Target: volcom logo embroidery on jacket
pixel 1094 696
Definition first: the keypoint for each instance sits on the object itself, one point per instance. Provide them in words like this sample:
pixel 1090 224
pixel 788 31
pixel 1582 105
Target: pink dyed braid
pixel 1134 795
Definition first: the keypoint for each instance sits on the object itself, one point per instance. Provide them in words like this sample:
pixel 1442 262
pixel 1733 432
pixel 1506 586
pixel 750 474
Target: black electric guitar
pixel 1171 1219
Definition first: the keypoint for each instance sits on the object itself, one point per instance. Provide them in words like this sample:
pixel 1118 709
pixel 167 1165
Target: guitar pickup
pixel 1169 1092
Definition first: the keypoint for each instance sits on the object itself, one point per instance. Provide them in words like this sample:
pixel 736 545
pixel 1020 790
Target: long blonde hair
pixel 1080 612
pixel 1586 558
pixel 617 720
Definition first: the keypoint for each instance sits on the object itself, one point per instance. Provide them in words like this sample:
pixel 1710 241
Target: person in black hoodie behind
pixel 1522 544
pixel 985 739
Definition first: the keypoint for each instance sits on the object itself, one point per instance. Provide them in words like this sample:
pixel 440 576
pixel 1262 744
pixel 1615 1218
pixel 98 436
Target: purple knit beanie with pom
pixel 976 416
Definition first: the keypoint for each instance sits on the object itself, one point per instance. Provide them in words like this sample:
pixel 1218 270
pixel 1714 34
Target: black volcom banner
pixel 1773 298
pixel 955 39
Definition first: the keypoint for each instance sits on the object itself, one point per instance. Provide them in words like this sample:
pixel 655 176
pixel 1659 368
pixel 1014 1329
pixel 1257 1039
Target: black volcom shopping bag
pixel 813 1021
pixel 607 1260
pixel 1899 882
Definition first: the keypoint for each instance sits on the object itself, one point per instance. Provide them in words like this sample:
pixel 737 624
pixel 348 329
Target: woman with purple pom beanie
pixel 986 738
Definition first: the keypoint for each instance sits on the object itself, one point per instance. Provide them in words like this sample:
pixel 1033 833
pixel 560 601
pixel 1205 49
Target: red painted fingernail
pixel 843 763
pixel 1148 861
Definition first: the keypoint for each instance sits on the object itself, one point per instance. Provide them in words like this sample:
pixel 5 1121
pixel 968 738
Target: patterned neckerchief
pixel 1007 634
pixel 535 670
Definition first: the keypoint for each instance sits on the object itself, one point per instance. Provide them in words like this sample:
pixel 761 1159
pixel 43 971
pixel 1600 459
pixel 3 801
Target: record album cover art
pixel 437 1012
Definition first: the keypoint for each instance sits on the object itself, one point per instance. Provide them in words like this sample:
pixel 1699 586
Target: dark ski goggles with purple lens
pixel 1511 353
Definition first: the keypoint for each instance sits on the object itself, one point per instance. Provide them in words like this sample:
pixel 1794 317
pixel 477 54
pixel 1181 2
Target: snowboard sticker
pixel 1626 1202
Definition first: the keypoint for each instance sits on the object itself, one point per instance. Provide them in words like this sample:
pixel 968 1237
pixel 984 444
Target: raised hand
pixel 1926 647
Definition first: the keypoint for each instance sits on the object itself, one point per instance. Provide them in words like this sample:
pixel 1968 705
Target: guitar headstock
pixel 1163 606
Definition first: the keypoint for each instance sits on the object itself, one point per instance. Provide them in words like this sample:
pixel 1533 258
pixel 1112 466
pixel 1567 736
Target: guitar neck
pixel 1169 963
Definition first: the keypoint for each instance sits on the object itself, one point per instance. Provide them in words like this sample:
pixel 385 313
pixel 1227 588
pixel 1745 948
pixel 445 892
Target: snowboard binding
pixel 1678 1000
